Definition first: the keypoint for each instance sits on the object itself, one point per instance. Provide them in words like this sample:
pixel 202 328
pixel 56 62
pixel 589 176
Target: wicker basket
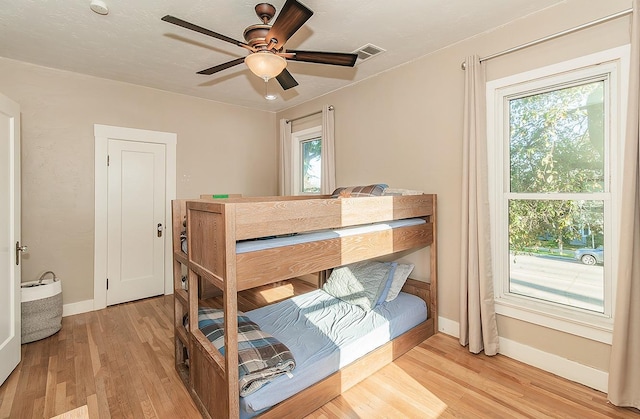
pixel 41 308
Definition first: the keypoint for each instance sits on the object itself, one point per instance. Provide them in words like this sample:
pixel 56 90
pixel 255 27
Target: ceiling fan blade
pixel 333 58
pixel 221 67
pixel 291 17
pixel 286 80
pixel 202 30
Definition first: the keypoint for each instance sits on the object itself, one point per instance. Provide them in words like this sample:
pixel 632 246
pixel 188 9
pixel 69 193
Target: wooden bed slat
pixel 207 381
pixel 206 245
pixel 261 219
pixel 216 358
pixel 263 267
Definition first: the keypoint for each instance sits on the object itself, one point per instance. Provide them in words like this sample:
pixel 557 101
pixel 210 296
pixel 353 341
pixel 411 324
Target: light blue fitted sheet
pixel 255 245
pixel 324 334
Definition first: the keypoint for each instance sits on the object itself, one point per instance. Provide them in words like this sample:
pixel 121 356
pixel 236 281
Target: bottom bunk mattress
pixel 325 334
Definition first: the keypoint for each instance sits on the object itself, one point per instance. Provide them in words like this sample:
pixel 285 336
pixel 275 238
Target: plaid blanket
pixel 261 357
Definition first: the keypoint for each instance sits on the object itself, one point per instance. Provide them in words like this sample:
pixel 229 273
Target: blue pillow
pixel 387 287
pixel 399 278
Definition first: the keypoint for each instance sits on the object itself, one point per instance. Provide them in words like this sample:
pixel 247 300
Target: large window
pixel 553 135
pixel 306 161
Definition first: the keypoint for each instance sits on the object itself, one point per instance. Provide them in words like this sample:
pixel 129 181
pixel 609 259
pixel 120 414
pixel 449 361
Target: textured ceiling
pixel 133 45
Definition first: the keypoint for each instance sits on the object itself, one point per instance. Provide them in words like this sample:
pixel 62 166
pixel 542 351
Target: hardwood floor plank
pixel 52 377
pixel 8 393
pixel 497 393
pixel 415 398
pixel 119 362
pixel 61 398
pixel 92 406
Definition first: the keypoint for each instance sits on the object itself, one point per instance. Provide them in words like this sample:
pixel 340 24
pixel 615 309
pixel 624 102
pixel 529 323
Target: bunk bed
pixel 227 252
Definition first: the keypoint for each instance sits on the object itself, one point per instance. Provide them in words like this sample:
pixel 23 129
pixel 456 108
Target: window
pixel 306 161
pixel 552 137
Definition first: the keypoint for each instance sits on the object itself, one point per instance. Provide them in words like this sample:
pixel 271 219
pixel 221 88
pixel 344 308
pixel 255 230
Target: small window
pixel 552 137
pixel 306 161
pixel 310 166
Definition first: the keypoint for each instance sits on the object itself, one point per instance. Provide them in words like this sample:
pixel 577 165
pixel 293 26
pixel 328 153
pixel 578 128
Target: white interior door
pixel 136 220
pixel 10 333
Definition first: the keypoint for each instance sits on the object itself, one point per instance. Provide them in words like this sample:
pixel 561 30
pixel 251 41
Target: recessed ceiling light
pixel 99 7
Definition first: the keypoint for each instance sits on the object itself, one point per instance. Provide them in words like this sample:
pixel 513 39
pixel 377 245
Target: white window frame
pixel 297 138
pixel 615 63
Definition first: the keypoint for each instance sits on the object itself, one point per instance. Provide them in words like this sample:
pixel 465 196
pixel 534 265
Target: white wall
pixel 221 149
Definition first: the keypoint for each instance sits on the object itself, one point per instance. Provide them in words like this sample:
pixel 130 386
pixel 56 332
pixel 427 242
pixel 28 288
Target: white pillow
pixel 399 278
pixel 360 283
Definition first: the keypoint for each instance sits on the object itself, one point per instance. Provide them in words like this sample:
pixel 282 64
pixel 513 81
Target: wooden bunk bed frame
pixel 214 225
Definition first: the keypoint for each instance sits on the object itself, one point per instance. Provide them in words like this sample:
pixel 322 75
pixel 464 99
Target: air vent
pixel 366 52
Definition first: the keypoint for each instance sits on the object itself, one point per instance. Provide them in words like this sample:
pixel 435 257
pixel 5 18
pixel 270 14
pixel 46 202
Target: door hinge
pixel 107 160
pixel 107 283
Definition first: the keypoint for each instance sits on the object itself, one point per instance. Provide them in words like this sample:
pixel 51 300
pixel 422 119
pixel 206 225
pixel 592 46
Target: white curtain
pixel 327 157
pixel 624 369
pixel 284 179
pixel 478 327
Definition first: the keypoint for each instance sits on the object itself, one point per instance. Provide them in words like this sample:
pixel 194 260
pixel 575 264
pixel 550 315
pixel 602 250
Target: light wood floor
pixel 119 362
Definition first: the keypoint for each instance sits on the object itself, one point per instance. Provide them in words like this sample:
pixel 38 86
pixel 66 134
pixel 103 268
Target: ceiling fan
pixel 267 57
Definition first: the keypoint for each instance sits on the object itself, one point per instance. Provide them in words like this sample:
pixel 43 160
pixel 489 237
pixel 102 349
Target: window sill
pixel 590 326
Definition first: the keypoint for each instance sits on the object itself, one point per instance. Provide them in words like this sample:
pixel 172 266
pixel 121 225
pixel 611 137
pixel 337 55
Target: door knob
pixel 18 250
pixel 160 228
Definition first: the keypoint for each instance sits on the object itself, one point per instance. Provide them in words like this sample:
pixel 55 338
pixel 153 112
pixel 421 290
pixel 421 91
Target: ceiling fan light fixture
pixel 265 64
pixel 267 95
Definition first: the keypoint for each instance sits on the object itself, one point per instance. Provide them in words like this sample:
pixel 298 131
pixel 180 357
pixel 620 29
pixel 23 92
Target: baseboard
pixel 77 308
pixel 448 327
pixel 555 364
pixel 546 361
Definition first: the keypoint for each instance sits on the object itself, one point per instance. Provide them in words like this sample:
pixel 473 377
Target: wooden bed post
pixel 181 305
pixel 230 299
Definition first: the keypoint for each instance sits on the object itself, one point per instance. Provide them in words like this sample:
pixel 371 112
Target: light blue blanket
pixel 325 334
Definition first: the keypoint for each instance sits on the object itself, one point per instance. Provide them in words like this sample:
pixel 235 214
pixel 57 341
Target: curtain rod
pixel 555 35
pixel 307 115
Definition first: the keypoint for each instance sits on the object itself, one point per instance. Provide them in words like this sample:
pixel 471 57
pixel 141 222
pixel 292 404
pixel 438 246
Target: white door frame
pixel 10 347
pixel 102 135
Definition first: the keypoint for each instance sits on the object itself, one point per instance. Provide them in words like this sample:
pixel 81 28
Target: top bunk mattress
pixel 325 334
